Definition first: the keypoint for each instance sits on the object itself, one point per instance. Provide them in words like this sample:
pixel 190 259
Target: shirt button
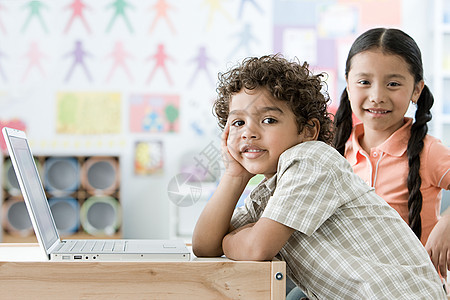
pixel 375 154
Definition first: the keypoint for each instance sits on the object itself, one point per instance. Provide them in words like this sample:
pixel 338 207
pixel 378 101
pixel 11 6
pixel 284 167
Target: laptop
pixel 77 250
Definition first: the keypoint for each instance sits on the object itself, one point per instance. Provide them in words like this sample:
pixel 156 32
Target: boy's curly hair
pixel 292 82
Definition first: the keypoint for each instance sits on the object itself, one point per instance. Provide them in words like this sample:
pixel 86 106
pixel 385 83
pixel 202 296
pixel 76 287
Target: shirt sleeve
pixel 438 164
pixel 304 197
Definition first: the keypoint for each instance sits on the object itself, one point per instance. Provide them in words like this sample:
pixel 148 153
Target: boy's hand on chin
pixel 232 167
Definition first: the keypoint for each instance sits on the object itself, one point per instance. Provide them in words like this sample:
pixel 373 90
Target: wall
pixel 116 102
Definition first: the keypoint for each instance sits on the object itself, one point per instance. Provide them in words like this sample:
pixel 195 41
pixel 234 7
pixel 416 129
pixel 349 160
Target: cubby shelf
pixel 83 194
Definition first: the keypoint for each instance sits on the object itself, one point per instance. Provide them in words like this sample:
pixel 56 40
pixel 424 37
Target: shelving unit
pixel 83 193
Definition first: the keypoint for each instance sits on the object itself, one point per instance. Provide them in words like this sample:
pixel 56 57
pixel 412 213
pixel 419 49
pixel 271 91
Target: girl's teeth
pixel 252 150
pixel 377 112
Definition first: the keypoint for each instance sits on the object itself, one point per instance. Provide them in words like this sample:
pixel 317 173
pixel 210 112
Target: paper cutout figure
pixel 77 7
pixel 78 59
pixel 241 7
pixel 119 55
pixel 160 57
pixel 202 60
pixel 216 5
pixel 120 6
pixel 34 56
pixel 161 7
pixel 35 11
pixel 245 37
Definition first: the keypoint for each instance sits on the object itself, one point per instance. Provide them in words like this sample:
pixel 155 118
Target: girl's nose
pixel 377 94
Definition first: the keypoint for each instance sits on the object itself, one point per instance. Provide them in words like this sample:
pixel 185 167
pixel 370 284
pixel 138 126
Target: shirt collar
pixel 395 145
pixel 271 184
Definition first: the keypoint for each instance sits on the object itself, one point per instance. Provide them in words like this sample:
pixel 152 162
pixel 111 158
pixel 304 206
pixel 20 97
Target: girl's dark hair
pixel 395 42
pixel 287 81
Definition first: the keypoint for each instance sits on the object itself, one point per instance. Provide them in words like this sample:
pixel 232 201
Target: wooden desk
pixel 25 274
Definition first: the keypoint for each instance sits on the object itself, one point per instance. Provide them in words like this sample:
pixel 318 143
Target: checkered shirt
pixel 349 243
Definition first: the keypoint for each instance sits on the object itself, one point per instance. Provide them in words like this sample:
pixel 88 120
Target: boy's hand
pixel 232 167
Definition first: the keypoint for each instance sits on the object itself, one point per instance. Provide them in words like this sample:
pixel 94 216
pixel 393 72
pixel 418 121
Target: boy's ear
pixel 311 130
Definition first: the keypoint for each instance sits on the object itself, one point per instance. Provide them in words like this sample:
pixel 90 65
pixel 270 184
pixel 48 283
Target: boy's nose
pixel 249 132
pixel 248 136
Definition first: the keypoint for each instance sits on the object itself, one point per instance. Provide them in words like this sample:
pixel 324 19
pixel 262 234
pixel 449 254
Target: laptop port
pixel 77 257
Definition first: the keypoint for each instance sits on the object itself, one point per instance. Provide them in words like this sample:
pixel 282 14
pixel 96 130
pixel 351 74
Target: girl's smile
pixel 380 87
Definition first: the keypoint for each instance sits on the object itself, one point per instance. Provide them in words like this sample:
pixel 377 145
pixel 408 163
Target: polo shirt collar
pixel 395 145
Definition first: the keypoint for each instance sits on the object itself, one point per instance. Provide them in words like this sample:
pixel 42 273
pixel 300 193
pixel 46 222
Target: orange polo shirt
pixel 386 168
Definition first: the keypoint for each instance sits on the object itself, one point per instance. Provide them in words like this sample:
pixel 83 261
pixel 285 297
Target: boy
pixel 338 238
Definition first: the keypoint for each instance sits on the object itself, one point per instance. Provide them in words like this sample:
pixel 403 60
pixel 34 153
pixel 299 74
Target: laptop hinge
pixel 54 246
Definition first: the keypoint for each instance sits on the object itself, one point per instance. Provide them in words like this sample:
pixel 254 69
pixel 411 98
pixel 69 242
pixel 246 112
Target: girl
pixel 393 154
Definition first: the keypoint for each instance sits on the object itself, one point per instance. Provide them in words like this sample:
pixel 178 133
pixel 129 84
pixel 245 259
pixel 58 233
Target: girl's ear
pixel 311 130
pixel 346 89
pixel 417 91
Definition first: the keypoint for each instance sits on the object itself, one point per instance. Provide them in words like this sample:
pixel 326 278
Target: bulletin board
pixel 137 79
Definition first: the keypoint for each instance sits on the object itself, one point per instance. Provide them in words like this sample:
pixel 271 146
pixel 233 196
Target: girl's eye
pixel 393 84
pixel 269 121
pixel 237 123
pixel 364 82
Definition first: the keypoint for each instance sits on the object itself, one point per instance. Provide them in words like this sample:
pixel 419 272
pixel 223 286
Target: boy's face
pixel 261 128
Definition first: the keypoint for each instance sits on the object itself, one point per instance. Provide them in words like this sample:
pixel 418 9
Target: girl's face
pixel 380 88
pixel 261 128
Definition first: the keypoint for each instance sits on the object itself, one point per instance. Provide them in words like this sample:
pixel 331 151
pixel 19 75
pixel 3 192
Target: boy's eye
pixel 237 123
pixel 269 121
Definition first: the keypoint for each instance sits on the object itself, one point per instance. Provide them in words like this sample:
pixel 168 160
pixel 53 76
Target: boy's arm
pixel 258 241
pixel 214 221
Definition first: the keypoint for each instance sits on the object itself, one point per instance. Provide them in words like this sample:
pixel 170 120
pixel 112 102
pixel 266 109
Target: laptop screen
pixel 34 191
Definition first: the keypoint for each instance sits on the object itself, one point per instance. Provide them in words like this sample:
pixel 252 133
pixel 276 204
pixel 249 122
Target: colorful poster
pixel 154 113
pixel 148 158
pixel 88 113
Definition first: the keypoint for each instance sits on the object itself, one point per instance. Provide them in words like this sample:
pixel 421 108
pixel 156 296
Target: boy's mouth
pixel 250 151
pixel 253 150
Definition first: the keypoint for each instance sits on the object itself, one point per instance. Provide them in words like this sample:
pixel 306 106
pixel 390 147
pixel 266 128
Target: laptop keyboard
pixel 92 246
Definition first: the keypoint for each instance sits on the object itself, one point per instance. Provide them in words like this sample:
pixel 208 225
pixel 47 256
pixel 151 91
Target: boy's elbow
pixel 203 250
pixel 198 251
pixel 250 251
pixel 260 254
